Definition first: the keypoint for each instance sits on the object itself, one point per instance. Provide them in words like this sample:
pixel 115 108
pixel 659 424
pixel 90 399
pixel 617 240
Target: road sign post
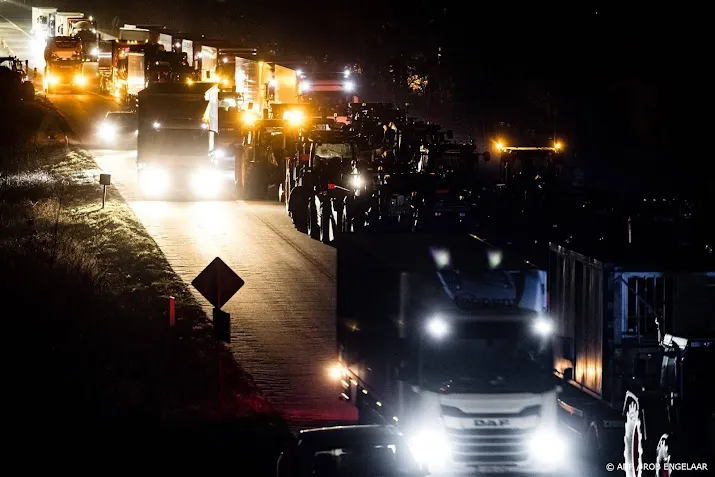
pixel 218 283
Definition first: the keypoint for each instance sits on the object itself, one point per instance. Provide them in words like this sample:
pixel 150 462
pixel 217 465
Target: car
pixel 118 130
pixel 365 450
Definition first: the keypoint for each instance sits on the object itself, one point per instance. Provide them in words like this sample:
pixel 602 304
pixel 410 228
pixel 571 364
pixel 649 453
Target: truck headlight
pixel 430 448
pixel 95 52
pixel 154 181
pixel 51 79
pixel 543 326
pixel 206 182
pixel 547 447
pixel 107 131
pixel 80 80
pixel 219 154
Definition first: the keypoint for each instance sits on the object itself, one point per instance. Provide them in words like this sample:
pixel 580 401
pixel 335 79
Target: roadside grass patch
pixel 86 290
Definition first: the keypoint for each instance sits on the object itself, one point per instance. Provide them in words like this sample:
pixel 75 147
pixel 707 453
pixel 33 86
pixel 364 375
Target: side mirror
pixel 487 156
pixel 559 389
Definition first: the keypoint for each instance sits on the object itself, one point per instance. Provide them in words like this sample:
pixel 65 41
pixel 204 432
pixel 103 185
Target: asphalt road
pixel 282 321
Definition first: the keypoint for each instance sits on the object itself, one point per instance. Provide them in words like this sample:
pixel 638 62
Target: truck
pixel 85 28
pixel 259 84
pixel 59 22
pixel 134 65
pixel 63 64
pixel 636 343
pixel 41 22
pixel 132 33
pixel 226 66
pixel 177 126
pixel 328 94
pixel 446 337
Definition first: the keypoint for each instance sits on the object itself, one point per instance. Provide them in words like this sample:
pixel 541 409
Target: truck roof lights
pixel 437 328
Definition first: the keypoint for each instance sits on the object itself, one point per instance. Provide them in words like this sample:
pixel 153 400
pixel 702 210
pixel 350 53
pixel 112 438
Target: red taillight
pixel 331 186
pixel 443 191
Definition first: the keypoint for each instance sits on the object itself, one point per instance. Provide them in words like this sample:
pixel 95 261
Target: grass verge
pixel 85 292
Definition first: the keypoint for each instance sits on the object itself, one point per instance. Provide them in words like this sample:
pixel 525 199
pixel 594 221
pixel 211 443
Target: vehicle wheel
pixel 662 459
pixel 311 217
pixel 28 91
pixel 633 441
pixel 239 174
pixel 325 219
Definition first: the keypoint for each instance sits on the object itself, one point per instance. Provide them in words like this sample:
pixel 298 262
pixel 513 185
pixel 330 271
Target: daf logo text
pixel 491 422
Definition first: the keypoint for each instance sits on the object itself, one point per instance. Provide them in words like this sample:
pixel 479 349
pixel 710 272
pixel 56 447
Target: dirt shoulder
pixel 85 294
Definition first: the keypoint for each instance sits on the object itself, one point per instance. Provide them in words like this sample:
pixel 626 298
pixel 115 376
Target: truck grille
pixel 489 446
pixel 503 446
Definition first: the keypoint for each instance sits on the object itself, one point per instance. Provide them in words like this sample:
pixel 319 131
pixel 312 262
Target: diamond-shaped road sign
pixel 217 283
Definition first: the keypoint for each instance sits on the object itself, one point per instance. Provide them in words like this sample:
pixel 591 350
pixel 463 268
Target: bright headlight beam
pixel 206 182
pixel 547 447
pixel 154 182
pixel 356 181
pixel 543 326
pixel 430 448
pixel 437 328
pixel 107 131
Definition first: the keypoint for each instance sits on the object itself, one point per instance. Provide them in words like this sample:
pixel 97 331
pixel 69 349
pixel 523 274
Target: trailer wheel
pixel 663 457
pixel 633 439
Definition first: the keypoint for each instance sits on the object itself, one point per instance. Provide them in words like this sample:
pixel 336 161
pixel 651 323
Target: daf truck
pixel 446 338
pixel 177 127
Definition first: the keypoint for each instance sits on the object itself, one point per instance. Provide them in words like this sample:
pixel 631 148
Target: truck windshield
pixel 179 142
pixel 488 358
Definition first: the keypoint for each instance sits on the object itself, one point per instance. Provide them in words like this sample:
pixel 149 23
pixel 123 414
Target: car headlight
pixel 219 154
pixel 430 448
pixel 154 181
pixel 206 182
pixel 547 447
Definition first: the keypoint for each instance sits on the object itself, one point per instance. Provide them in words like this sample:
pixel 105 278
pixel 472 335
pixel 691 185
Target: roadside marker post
pixel 172 311
pixel 104 181
pixel 218 283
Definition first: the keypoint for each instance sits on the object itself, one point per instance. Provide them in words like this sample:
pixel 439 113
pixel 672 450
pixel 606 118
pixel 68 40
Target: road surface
pixel 282 321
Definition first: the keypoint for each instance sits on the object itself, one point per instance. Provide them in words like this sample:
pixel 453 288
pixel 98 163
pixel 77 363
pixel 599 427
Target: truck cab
pixel 447 338
pixel 177 128
pixel 63 69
